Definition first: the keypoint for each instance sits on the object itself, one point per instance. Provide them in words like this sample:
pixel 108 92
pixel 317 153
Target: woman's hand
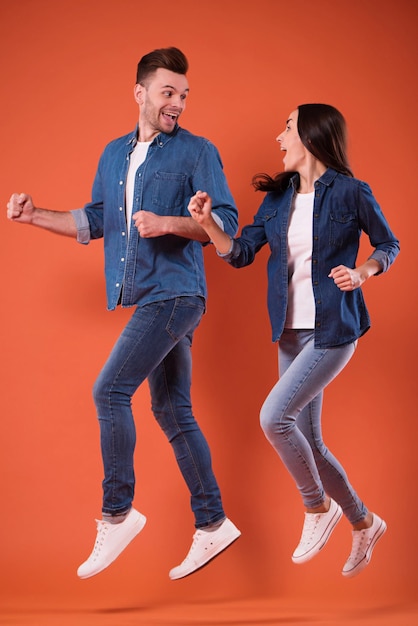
pixel 348 279
pixel 345 278
pixel 200 208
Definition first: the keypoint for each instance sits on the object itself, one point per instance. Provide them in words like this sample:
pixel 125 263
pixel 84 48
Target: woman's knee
pixel 275 423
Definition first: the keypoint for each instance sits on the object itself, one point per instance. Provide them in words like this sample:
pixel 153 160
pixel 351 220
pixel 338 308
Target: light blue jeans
pixel 155 345
pixel 291 420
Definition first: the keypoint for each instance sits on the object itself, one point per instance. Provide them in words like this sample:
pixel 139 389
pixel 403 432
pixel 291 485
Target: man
pixel 153 261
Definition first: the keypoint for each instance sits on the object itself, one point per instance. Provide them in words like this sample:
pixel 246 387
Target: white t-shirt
pixel 137 158
pixel 301 304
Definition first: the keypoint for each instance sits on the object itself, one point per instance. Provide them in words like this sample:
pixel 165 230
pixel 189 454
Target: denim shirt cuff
pixel 234 249
pixel 382 258
pixel 83 226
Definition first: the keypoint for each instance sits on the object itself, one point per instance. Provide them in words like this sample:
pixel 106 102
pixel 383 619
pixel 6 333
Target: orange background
pixel 68 68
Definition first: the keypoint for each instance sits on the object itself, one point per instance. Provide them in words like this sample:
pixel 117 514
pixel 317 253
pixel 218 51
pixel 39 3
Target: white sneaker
pixel 317 529
pixel 206 545
pixel 363 543
pixel 111 540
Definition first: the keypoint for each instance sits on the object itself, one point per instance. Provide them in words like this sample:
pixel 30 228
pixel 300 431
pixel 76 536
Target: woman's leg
pixel 291 420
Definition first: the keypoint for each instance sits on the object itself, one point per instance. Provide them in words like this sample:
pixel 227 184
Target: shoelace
pixel 309 527
pixel 196 537
pixel 357 547
pixel 102 528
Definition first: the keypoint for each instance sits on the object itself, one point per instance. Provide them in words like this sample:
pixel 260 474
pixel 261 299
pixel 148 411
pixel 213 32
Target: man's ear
pixel 139 93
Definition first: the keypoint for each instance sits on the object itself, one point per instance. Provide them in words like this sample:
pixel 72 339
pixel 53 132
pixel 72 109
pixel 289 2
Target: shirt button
pixel 121 182
pixel 120 208
pixel 123 234
pixel 117 284
pixel 122 259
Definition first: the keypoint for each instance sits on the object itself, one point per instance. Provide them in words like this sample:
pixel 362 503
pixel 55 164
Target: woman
pixel 312 218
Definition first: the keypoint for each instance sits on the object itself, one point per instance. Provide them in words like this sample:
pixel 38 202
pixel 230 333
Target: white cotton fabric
pixel 301 303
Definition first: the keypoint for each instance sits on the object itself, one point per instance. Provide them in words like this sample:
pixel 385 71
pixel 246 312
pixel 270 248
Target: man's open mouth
pixel 171 116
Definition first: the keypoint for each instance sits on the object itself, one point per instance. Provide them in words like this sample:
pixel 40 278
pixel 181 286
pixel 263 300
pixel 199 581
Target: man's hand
pixel 20 208
pixel 149 224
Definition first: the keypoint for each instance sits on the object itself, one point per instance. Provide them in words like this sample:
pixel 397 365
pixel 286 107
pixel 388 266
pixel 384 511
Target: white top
pixel 301 305
pixel 137 158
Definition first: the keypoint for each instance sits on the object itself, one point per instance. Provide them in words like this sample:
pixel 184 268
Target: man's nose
pixel 178 102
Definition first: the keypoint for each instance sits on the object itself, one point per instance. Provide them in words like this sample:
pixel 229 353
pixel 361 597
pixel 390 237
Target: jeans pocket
pixel 185 316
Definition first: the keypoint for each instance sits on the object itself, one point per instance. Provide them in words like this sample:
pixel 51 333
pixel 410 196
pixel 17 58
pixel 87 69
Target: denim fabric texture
pixel 140 271
pixel 164 278
pixel 291 420
pixel 155 344
pixel 344 207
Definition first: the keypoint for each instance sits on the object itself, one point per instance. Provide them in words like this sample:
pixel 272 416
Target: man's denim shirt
pixel 139 271
pixel 343 208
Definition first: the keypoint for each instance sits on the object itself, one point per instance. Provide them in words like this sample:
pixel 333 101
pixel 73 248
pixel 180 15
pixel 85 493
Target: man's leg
pixel 170 395
pixel 143 344
pixel 170 384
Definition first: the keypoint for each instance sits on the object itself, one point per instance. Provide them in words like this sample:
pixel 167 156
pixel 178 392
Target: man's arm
pixel 151 225
pixel 20 208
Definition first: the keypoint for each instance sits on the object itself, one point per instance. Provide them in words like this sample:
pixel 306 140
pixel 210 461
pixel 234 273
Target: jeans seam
pixel 180 432
pixel 110 404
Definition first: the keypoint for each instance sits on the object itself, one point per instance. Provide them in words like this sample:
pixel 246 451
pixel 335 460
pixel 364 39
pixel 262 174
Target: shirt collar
pixel 327 178
pixel 160 140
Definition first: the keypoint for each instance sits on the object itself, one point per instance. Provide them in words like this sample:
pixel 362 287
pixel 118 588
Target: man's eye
pixel 167 93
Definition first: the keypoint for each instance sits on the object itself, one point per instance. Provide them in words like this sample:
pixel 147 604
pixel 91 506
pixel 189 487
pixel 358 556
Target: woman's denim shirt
pixel 343 208
pixel 139 271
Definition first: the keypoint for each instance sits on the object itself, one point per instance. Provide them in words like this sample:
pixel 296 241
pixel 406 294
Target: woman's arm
pixel 348 279
pixel 200 208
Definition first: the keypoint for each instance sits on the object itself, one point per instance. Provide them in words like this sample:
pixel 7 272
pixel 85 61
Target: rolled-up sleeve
pixel 382 239
pixel 83 226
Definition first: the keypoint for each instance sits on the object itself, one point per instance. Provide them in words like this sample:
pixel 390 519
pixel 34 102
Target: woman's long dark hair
pixel 322 130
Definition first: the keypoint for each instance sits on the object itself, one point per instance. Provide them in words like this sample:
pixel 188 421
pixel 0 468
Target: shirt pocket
pixel 270 223
pixel 343 226
pixel 168 192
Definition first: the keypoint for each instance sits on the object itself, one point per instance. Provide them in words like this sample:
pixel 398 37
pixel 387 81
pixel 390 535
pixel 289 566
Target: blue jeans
pixel 155 344
pixel 291 420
